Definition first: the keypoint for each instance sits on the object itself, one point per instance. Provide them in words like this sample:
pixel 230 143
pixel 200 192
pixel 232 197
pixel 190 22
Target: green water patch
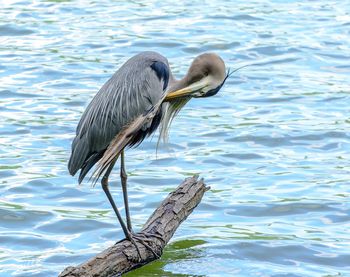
pixel 178 250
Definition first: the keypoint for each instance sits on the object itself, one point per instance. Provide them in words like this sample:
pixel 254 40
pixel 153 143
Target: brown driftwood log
pixel 158 230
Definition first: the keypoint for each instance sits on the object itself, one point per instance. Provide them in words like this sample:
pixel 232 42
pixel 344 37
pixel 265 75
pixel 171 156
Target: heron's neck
pixel 177 84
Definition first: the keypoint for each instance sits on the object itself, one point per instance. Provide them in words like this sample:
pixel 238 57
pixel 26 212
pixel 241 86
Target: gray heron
pixel 140 96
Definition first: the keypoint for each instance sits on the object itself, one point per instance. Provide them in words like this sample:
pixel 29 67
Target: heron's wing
pixel 131 92
pixel 124 138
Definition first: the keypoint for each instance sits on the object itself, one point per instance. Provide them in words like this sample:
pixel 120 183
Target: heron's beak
pixel 194 89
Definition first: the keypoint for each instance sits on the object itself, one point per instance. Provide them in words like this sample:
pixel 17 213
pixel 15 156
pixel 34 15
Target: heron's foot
pixel 145 241
pixel 133 241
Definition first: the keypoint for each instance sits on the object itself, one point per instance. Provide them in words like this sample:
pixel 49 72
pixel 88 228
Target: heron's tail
pixel 90 162
pixel 80 155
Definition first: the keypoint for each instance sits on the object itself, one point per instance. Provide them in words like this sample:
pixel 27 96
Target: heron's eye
pixel 196 78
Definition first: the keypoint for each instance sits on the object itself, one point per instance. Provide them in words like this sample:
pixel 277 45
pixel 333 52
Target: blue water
pixel 274 144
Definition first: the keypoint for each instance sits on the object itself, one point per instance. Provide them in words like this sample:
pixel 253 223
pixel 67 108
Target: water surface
pixel 273 144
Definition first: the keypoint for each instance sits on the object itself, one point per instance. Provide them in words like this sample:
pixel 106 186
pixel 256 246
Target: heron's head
pixel 205 77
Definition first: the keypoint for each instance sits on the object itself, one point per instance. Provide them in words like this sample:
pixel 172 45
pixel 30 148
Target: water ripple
pixel 273 145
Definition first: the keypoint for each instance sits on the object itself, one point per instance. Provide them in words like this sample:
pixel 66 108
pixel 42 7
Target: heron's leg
pixel 123 178
pixel 104 183
pixel 127 233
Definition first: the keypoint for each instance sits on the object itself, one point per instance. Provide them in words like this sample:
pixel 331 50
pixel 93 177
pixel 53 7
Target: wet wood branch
pixel 158 230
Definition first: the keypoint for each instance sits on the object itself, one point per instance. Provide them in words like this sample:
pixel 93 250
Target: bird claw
pixel 132 240
pixel 142 239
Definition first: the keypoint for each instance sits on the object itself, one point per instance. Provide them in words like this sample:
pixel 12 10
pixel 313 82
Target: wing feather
pixel 124 138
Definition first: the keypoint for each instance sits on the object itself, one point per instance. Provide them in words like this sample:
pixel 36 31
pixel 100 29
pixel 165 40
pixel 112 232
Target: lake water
pixel 274 144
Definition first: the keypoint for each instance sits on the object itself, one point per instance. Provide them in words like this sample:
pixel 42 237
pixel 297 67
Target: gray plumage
pixel 130 106
pixel 131 92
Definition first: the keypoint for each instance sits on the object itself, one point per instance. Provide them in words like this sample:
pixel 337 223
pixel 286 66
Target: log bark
pixel 123 257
